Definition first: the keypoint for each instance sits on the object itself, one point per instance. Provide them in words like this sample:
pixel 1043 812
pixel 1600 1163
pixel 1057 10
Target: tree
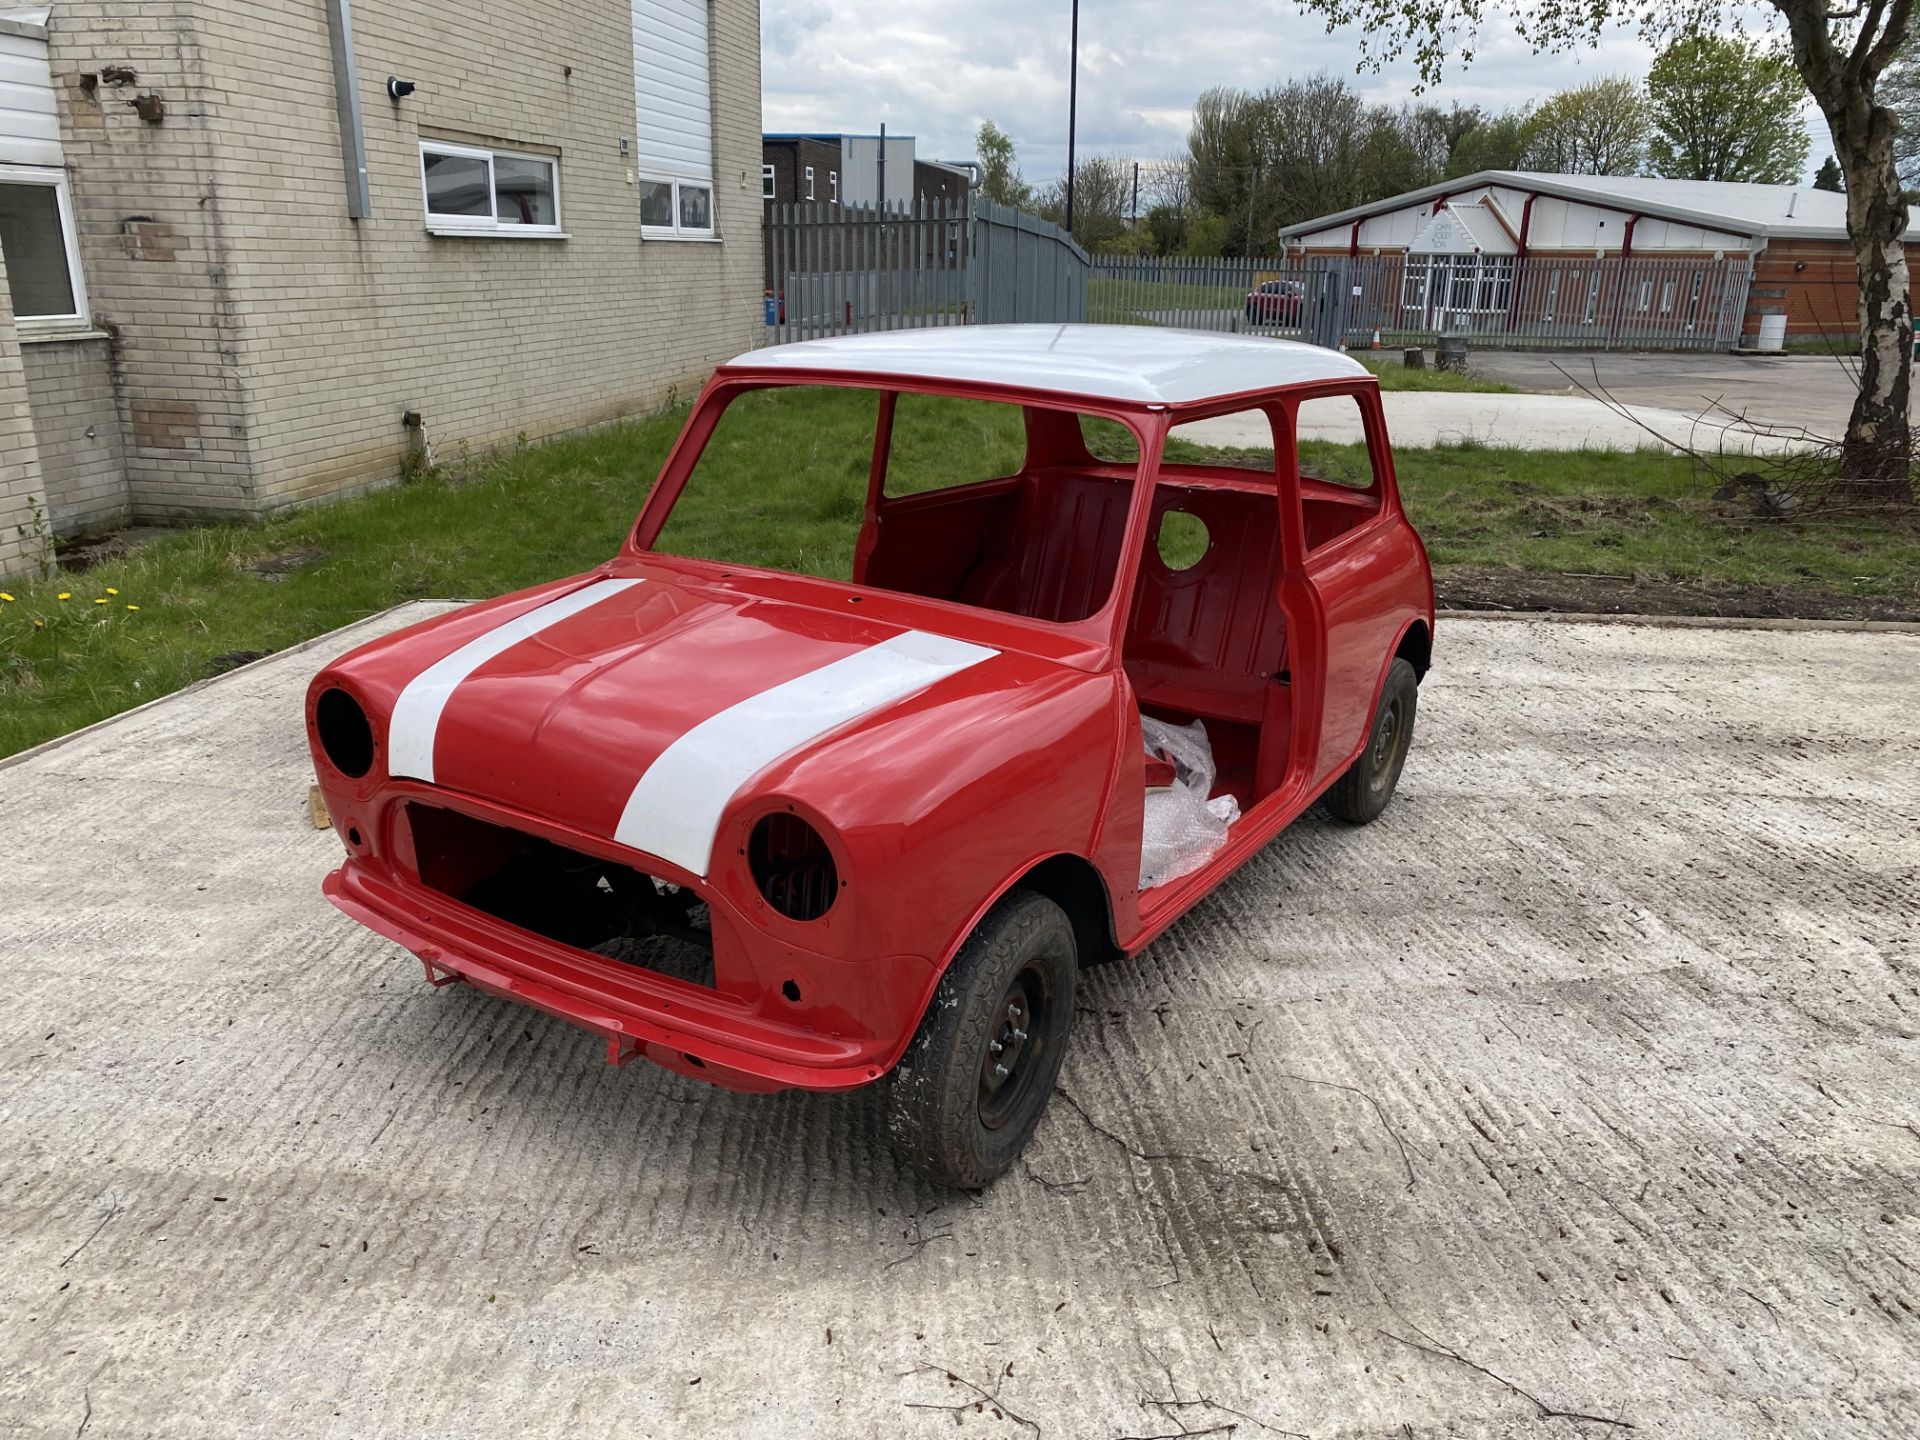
pixel 1498 142
pixel 1900 89
pixel 1226 148
pixel 1001 181
pixel 1307 147
pixel 1599 128
pixel 1726 108
pixel 1842 52
pixel 1102 187
pixel 1828 177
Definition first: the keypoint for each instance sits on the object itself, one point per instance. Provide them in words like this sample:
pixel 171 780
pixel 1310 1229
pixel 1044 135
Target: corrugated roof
pixel 1796 212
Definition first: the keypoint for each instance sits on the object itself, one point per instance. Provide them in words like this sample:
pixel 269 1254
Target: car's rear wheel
pixel 968 1094
pixel 1363 792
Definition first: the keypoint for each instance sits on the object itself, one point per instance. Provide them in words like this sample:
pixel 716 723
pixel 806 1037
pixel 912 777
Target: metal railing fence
pixel 842 269
pixel 1549 300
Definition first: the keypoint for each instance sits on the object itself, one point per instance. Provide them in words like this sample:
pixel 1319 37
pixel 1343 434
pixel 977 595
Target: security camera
pixel 398 89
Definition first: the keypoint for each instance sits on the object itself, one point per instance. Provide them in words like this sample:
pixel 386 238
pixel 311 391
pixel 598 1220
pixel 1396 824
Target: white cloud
pixel 935 68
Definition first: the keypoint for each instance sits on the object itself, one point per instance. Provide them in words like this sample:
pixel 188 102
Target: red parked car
pixel 1275 302
pixel 771 829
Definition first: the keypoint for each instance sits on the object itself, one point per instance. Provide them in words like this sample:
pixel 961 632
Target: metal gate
pixel 844 269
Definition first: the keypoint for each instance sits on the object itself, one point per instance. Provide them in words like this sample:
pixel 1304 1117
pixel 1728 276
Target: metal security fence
pixel 1024 268
pixel 845 269
pixel 1535 301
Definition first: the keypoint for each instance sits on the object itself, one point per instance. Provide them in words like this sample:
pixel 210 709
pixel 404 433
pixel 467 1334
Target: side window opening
pixel 1339 488
pixel 940 442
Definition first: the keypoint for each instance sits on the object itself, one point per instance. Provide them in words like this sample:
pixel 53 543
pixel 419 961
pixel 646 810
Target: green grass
pixel 1393 375
pixel 786 491
pixel 1123 302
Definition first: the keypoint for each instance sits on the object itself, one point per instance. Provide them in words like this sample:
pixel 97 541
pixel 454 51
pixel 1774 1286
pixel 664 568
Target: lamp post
pixel 1073 100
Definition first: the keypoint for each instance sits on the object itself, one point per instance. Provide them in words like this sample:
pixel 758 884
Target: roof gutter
pixel 1439 194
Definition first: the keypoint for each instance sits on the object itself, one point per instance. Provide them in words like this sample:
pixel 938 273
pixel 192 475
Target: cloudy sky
pixel 935 68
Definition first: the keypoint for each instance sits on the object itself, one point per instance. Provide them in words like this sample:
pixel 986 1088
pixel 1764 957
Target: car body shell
pixel 1019 767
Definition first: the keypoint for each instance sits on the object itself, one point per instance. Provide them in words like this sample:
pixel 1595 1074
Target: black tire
pixel 1363 792
pixel 1011 986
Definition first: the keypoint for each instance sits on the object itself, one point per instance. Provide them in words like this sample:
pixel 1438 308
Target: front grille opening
pixel 565 895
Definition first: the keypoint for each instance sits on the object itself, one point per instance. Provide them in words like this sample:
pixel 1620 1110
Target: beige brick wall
pixel 20 488
pixel 148 202
pixel 270 345
pixel 76 420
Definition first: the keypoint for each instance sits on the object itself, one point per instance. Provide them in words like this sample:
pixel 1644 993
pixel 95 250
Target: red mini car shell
pixel 836 793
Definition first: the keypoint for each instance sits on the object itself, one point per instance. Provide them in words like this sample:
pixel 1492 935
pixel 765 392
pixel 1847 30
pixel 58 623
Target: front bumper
pixel 703 1033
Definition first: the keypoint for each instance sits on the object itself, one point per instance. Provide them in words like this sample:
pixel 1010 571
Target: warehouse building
pixel 255 254
pixel 1627 258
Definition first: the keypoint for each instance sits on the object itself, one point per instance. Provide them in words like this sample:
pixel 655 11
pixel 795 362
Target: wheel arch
pixel 1416 648
pixel 1072 882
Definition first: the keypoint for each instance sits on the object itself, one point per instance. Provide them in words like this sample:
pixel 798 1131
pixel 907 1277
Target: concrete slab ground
pixel 1419 419
pixel 1584 1081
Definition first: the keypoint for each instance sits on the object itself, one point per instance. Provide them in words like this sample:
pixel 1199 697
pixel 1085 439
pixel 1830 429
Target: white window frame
pixel 677 231
pixel 1433 282
pixel 490 225
pixel 833 187
pixel 809 184
pixel 81 318
pixel 766 182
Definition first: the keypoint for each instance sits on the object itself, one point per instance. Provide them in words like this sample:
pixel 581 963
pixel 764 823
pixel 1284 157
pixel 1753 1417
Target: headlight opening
pixel 346 735
pixel 792 867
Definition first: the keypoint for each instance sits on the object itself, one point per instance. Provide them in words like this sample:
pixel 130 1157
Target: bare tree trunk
pixel 1842 72
pixel 1878 446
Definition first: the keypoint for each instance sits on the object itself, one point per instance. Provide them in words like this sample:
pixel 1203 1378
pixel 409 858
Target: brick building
pixel 1620 244
pixel 845 170
pixel 237 256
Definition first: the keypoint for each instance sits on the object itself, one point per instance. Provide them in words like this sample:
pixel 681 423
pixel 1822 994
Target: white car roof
pixel 1136 363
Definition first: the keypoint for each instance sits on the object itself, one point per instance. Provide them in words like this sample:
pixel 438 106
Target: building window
pixel 809 192
pixel 833 186
pixel 1460 284
pixel 42 248
pixel 766 182
pixel 474 191
pixel 673 107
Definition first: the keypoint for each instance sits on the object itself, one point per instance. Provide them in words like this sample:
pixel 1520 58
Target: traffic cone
pixel 1376 337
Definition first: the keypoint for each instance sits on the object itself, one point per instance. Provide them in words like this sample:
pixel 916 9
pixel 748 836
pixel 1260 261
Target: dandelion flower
pixel 101 601
pixel 39 624
pixel 112 591
pixel 6 597
pixel 133 607
pixel 64 595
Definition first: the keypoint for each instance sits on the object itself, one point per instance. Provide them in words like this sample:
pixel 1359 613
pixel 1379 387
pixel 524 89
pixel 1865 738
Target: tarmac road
pixel 1584 1081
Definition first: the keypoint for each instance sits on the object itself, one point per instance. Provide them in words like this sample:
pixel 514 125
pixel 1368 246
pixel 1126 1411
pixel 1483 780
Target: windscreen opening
pixel 989 504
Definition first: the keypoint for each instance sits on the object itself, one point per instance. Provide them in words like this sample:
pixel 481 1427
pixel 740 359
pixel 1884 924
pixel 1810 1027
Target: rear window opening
pixel 564 895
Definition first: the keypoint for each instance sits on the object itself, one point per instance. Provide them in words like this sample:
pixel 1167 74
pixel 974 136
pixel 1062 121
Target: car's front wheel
pixel 1363 792
pixel 968 1094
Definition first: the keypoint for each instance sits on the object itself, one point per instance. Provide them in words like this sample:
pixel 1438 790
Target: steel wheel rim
pixel 1386 741
pixel 1016 1042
